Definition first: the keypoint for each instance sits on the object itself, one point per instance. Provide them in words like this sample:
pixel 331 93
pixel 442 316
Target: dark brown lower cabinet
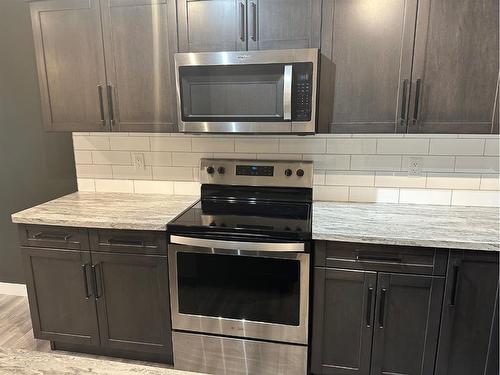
pixel 133 302
pixel 374 322
pixel 468 342
pixel 61 303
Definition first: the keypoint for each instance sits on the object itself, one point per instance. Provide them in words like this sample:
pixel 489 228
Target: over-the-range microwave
pixel 247 92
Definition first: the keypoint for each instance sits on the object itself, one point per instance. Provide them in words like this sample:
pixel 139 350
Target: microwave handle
pixel 287 92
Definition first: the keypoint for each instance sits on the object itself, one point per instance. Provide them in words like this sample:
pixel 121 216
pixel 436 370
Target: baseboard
pixel 13 289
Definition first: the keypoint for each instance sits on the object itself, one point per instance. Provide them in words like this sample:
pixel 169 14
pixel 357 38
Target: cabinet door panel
pixel 70 62
pixel 212 25
pixel 283 24
pixel 59 292
pixel 371 53
pixel 406 324
pixel 140 39
pixel 344 302
pixel 133 302
pixel 468 315
pixel 456 58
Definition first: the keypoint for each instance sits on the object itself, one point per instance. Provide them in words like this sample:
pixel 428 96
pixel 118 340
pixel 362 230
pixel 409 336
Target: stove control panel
pixel 284 173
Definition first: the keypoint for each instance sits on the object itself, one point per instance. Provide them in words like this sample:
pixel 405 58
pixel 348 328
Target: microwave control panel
pixel 302 92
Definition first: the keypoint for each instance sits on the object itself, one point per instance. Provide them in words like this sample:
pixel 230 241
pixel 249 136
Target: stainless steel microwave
pixel 247 92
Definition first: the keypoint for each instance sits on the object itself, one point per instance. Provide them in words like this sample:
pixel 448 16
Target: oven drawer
pixel 53 236
pixel 402 259
pixel 128 241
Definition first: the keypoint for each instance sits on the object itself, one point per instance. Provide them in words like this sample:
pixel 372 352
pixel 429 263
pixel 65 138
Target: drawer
pixel 53 236
pixel 385 258
pixel 128 241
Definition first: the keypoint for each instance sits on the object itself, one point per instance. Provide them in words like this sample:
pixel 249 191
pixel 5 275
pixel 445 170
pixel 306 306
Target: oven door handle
pixel 237 245
pixel 287 92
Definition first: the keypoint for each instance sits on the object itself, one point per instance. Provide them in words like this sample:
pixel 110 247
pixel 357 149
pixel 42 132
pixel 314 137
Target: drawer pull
pixel 51 236
pixel 375 258
pixel 123 242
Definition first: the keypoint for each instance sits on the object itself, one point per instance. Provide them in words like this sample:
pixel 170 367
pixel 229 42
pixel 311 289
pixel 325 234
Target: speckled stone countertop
pixel 473 228
pixel 107 210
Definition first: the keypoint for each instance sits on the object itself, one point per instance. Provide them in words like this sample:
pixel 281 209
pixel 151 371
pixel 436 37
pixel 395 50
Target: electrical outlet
pixel 414 166
pixel 138 160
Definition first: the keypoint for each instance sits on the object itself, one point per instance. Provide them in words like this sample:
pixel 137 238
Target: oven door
pixel 225 289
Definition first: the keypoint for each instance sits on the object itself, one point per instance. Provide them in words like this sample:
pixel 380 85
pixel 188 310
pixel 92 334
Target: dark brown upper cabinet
pixel 405 66
pixel 106 65
pixel 240 25
pixel 455 72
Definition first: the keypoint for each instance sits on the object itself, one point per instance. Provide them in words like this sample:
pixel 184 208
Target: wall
pixel 36 166
pixel 456 170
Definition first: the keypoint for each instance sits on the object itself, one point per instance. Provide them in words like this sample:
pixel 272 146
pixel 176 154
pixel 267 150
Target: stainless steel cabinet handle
pixel 242 21
pixel 454 291
pixel 377 259
pixel 416 107
pixel 85 283
pixel 237 245
pixel 369 307
pixel 94 281
pixel 110 106
pixel 101 105
pixel 403 102
pixel 287 92
pixel 254 22
pixel 51 236
pixel 381 313
pixel 124 242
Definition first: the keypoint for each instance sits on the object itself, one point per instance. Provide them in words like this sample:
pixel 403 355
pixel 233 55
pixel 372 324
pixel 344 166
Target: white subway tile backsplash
pixel 350 178
pixel 254 145
pixel 154 187
pixel 476 198
pixel 171 144
pixel 456 147
pixel 361 167
pixel 112 157
pixel 373 194
pixel 453 181
pixel 114 186
pixel 173 173
pixel 407 146
pixel 351 146
pixel 477 164
pixel 130 143
pixel 425 196
pixel 375 163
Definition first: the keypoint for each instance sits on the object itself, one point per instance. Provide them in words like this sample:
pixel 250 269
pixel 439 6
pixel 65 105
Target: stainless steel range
pixel 239 268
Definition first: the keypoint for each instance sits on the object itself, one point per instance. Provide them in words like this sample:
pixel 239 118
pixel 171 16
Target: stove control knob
pixel 221 170
pixel 210 170
pixel 300 172
pixel 288 172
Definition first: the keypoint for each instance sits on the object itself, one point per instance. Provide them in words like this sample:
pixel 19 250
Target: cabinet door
pixel 466 336
pixel 283 24
pixel 370 46
pixel 212 25
pixel 344 303
pixel 456 66
pixel 133 302
pixel 70 61
pixel 59 295
pixel 406 324
pixel 140 39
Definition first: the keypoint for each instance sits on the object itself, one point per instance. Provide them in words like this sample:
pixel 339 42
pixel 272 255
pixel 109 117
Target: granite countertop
pixel 473 228
pixel 108 210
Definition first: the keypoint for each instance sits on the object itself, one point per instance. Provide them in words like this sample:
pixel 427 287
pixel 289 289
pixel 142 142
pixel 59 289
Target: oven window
pixel 232 92
pixel 239 287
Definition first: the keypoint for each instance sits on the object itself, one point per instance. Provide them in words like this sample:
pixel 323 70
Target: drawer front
pixel 385 258
pixel 53 237
pixel 128 241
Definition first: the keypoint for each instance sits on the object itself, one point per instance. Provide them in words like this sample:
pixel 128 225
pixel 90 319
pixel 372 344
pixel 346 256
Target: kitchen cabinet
pixel 98 291
pixel 106 65
pixel 363 319
pixel 240 25
pixel 468 341
pixel 408 66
